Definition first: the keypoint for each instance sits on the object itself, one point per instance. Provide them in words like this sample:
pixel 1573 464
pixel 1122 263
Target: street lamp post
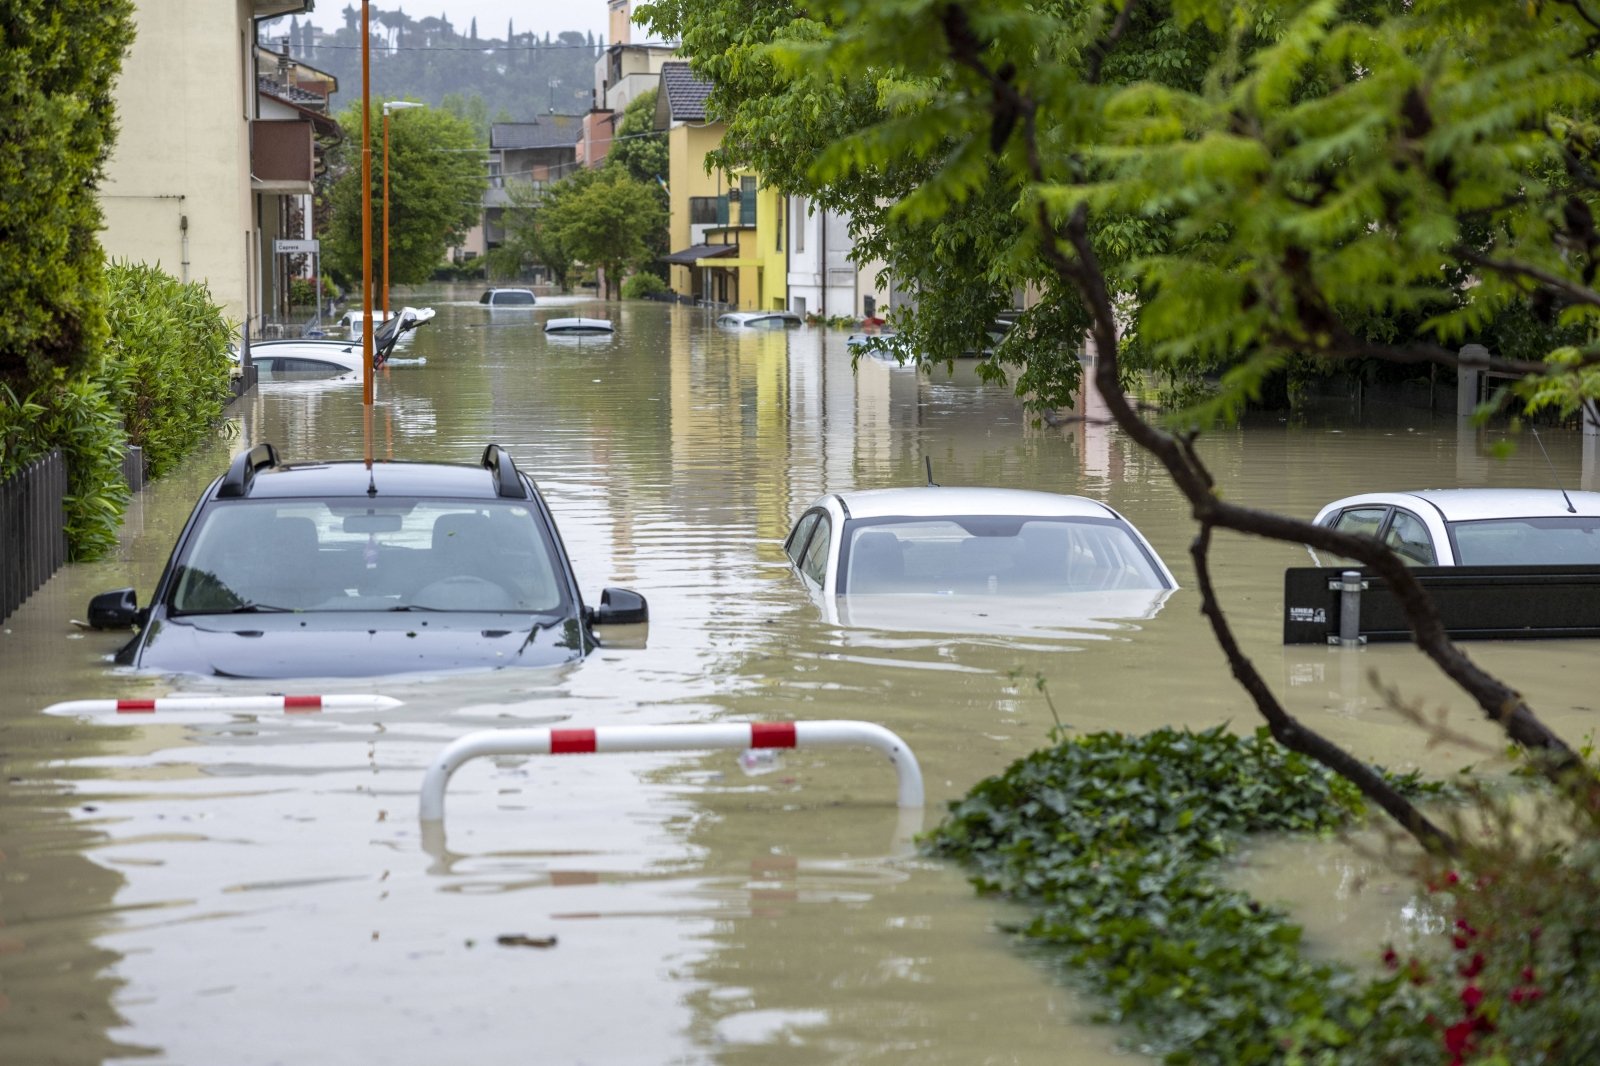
pixel 392 105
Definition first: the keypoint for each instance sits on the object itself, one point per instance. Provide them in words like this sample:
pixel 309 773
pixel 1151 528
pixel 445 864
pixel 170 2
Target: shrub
pixel 166 366
pixel 79 418
pixel 1113 841
pixel 643 286
pixel 58 63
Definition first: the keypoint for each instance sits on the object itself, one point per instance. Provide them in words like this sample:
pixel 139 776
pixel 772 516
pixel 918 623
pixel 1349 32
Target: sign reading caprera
pixel 295 247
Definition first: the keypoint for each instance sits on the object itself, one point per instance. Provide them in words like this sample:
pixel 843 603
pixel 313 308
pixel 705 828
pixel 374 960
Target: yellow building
pixel 726 231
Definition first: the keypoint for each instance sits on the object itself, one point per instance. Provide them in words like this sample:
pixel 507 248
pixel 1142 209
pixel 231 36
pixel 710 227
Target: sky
pixel 535 16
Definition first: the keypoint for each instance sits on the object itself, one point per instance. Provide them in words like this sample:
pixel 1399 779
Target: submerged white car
pixel 952 541
pixel 759 320
pixel 1476 527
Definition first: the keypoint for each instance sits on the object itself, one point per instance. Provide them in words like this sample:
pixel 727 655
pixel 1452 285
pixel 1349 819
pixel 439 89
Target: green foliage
pixel 79 418
pixel 638 147
pixel 436 184
pixel 58 61
pixel 601 218
pixel 643 285
pixel 166 367
pixel 1113 842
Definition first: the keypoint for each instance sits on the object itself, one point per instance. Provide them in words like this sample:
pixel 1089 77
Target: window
pixel 1361 521
pixel 799 228
pixel 996 554
pixel 797 539
pixel 314 555
pixel 815 563
pixel 1409 539
pixel 1526 541
pixel 702 210
pixel 800 306
pixel 777 228
pixel 747 201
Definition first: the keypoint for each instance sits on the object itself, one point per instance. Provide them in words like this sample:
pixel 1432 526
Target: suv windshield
pixel 347 555
pixel 1010 556
pixel 1562 541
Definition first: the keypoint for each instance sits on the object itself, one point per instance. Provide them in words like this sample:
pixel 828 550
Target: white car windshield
pixel 342 555
pixel 995 555
pixel 1573 540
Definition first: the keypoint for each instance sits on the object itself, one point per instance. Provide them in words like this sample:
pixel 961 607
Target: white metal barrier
pixel 202 702
pixel 737 736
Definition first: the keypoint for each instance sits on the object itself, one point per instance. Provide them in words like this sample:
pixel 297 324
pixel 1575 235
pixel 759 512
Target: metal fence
pixel 33 533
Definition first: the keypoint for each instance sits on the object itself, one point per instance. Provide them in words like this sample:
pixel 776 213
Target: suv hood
pixel 354 644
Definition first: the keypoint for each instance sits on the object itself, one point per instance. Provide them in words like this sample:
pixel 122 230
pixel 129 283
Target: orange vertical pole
pixel 366 220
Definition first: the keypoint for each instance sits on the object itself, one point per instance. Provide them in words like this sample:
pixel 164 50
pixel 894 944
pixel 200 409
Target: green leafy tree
pixel 607 220
pixel 529 238
pixel 58 61
pixel 641 151
pixel 436 183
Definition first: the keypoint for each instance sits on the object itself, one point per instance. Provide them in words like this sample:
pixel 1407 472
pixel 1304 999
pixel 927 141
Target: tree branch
pixel 1288 730
pixel 1581 294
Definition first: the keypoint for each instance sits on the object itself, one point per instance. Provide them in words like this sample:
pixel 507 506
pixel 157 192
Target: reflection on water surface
pixel 256 888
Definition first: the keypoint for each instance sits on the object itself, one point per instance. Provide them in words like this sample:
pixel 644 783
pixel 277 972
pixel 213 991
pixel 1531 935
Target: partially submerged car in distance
pixel 343 570
pixel 508 298
pixel 759 319
pixel 1475 527
pixel 303 358
pixel 952 541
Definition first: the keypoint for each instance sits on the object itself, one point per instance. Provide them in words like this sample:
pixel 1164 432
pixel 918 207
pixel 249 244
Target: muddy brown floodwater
pixel 206 888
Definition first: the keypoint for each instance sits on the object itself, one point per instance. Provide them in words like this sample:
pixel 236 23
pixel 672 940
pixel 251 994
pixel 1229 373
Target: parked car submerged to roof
pixel 953 541
pixel 759 319
pixel 341 570
pixel 508 298
pixel 1476 527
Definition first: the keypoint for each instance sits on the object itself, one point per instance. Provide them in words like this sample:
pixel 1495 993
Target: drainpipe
pixel 822 261
pixel 183 240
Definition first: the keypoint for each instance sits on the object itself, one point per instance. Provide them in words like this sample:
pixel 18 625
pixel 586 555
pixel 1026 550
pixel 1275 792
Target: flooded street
pixel 205 887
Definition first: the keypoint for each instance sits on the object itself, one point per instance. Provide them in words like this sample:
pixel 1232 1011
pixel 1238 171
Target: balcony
pixel 282 155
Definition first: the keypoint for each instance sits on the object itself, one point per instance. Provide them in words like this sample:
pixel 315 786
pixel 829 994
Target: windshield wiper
pixel 260 608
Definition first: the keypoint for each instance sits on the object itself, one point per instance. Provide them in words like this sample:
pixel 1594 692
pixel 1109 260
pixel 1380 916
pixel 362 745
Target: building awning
pixel 689 255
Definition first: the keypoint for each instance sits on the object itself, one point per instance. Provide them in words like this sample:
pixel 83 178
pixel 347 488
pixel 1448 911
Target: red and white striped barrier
pixel 735 736
pixel 287 704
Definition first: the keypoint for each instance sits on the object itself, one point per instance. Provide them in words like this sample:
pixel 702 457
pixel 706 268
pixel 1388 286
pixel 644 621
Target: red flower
pixel 1391 959
pixel 1527 973
pixel 1474 967
pixel 1471 996
pixel 1523 994
pixel 1458 1039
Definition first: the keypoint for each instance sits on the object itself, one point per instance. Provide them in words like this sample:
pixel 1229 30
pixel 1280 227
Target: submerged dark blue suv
pixel 345 570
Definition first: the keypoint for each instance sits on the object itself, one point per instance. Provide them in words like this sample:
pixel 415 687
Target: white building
pixel 822 279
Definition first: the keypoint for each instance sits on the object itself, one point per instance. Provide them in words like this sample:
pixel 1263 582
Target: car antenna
pixel 932 484
pixel 1570 509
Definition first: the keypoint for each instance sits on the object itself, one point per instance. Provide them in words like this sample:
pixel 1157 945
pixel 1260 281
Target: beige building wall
pixel 183 147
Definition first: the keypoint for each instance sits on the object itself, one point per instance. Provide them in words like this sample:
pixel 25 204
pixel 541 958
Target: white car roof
pixel 935 501
pixel 1469 505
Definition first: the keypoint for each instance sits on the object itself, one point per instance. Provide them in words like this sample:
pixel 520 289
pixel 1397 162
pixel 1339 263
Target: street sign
pixel 295 247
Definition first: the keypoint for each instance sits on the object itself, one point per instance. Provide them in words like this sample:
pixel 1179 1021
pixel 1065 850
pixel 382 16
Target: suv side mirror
pixel 619 607
pixel 114 610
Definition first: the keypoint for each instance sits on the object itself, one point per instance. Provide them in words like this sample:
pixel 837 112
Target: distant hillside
pixel 518 75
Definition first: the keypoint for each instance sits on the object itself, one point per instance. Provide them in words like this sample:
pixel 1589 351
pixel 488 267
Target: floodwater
pixel 194 887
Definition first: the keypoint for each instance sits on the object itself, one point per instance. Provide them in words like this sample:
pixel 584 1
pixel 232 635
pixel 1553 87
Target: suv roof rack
pixel 242 471
pixel 506 480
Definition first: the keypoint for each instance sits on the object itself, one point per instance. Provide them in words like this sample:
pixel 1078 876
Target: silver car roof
pixel 1472 505
pixel 937 501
